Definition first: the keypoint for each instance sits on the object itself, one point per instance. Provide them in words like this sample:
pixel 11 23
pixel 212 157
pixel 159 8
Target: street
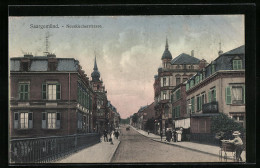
pixel 135 147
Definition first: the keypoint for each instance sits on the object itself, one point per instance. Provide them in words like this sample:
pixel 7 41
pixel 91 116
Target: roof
pixel 185 59
pixel 40 64
pixel 238 50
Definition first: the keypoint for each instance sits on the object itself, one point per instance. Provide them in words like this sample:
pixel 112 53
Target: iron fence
pixel 47 149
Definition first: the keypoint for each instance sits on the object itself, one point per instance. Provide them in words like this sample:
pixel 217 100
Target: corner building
pixel 49 96
pixel 172 73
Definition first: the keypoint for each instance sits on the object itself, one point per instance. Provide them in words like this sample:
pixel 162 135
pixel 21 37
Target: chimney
pixel 192 53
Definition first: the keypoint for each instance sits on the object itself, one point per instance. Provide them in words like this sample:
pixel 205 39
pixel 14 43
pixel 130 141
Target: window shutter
pixel 214 95
pixel 16 120
pixel 228 95
pixel 30 118
pixel 58 91
pixel 244 93
pixel 209 97
pixel 58 119
pixel 239 64
pixel 44 121
pixel 44 95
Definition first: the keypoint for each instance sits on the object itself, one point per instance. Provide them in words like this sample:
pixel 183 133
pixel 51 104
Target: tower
pixel 95 74
pixel 167 56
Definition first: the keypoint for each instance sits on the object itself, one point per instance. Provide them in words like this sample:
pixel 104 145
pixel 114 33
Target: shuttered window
pixel 51 91
pixel 24 91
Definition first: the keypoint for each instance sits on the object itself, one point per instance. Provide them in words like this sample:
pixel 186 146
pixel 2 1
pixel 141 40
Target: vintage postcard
pixel 127 89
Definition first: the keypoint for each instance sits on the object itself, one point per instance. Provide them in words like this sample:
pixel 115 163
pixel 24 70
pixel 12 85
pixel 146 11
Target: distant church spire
pixel 166 45
pixel 95 65
pixel 95 74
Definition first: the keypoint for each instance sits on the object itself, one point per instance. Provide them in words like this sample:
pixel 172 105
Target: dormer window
pixel 237 64
pixel 52 66
pixel 25 66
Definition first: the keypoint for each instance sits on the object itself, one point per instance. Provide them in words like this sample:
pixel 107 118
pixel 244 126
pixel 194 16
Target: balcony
pixel 211 107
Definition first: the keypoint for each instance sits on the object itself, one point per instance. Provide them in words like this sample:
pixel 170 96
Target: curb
pixel 114 152
pixel 196 150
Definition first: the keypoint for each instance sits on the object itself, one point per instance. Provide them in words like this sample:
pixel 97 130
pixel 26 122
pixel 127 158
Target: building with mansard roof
pixel 49 96
pixel 217 88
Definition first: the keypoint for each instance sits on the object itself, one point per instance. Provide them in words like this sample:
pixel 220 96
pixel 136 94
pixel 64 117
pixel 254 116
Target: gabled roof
pixel 185 59
pixel 238 50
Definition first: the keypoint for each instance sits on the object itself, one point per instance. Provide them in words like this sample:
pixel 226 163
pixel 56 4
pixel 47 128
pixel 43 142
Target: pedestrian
pixel 161 135
pixel 237 141
pixel 148 132
pixel 170 135
pixel 105 136
pixel 175 136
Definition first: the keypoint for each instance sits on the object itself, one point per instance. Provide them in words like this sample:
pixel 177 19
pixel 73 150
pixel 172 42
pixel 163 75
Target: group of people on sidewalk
pixel 171 135
pixel 105 135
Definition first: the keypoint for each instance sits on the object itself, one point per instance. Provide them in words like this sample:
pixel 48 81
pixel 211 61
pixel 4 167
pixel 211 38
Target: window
pixel 25 66
pixel 237 64
pixel 178 94
pixel 23 120
pixel 197 80
pixel 164 95
pixel 172 97
pixel 80 121
pixel 51 120
pixel 192 67
pixel 191 83
pixel 184 66
pixel 213 68
pixel 177 112
pixel 212 95
pixel 187 86
pixel 199 104
pixel 24 91
pixel 178 80
pixel 164 81
pixel 187 105
pixel 51 91
pixel 203 98
pixel 192 105
pixel 235 94
pixel 201 77
pixel 52 66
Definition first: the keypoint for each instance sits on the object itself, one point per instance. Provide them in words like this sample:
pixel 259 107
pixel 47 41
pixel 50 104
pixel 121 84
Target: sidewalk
pixel 99 153
pixel 198 147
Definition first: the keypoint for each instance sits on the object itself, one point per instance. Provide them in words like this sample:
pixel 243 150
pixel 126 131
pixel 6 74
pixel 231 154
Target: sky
pixel 128 48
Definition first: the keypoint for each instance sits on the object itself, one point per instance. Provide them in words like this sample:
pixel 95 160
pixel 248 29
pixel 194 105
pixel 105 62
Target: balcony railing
pixel 211 107
pixel 47 149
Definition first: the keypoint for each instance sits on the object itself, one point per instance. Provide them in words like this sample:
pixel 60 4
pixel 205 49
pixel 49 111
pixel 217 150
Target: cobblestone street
pixel 135 147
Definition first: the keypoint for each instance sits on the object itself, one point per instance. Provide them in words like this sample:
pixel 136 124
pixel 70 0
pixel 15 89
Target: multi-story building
pixel 217 88
pixel 49 96
pixel 101 110
pixel 172 73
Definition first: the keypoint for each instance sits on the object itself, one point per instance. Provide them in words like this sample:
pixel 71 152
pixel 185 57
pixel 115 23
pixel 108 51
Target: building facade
pixel 172 73
pixel 49 96
pixel 217 88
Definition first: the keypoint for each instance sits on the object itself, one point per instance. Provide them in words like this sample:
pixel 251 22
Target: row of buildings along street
pixel 195 98
pixel 55 108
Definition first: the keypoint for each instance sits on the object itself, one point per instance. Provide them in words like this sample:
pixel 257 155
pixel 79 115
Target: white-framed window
pixel 237 64
pixel 23 120
pixel 235 94
pixel 51 120
pixel 51 91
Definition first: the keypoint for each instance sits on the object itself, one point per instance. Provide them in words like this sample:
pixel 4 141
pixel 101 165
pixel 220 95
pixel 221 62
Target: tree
pixel 222 123
pixel 149 125
pixel 135 118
